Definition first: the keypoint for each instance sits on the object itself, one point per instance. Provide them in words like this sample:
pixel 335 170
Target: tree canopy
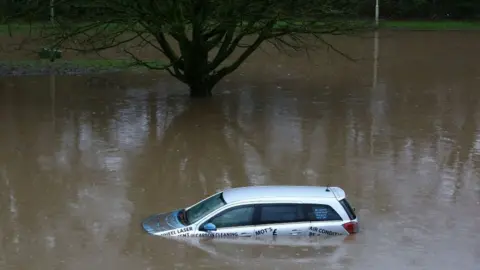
pixel 198 36
pixel 390 9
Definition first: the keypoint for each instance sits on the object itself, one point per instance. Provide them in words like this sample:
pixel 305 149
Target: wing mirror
pixel 209 227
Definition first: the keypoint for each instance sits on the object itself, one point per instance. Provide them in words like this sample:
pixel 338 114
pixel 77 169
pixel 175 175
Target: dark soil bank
pixel 65 69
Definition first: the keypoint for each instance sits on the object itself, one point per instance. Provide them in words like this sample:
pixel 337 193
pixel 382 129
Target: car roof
pixel 278 192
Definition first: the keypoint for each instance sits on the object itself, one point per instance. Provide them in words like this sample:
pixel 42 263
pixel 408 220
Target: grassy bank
pixel 67 67
pixel 430 25
pixel 15 28
pixel 18 28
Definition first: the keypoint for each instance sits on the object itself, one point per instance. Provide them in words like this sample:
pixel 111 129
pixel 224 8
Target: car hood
pixel 163 222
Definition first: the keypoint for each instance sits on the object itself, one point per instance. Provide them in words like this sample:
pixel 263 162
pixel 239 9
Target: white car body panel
pixel 251 201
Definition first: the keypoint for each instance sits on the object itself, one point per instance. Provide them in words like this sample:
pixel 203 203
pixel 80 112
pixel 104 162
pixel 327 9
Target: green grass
pixel 431 25
pixel 21 28
pixel 14 28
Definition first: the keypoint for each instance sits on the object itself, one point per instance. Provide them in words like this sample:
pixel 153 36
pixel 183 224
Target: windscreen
pixel 204 208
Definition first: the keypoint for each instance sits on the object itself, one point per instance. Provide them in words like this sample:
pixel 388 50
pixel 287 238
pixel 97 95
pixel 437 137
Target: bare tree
pixel 199 37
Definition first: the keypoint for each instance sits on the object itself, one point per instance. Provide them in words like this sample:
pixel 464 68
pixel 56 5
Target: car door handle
pixel 246 234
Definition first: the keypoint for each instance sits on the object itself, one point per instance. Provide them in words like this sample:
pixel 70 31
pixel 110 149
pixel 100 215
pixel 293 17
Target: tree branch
pixel 198 26
pixel 229 69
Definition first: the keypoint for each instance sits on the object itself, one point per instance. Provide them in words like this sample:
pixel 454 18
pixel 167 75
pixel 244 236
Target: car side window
pixel 322 212
pixel 281 213
pixel 234 217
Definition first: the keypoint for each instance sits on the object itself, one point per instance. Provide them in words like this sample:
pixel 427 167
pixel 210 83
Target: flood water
pixel 84 159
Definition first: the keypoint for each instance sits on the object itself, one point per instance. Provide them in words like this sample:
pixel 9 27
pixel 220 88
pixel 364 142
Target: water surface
pixel 84 159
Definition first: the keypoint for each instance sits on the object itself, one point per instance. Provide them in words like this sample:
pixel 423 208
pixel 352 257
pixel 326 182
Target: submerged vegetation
pixel 67 67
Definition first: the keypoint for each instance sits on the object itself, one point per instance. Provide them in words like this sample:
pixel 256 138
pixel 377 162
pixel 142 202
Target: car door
pixel 285 219
pixel 236 221
pixel 324 220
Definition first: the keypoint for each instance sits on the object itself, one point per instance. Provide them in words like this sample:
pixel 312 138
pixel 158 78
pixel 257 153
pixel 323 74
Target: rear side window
pixel 281 213
pixel 322 212
pixel 348 208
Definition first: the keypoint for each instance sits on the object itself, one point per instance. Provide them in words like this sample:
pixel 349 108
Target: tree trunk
pixel 197 74
pixel 200 90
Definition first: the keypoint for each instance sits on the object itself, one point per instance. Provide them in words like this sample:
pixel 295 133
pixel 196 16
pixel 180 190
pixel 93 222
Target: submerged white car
pixel 261 210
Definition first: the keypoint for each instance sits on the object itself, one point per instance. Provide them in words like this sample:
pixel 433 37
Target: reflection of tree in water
pixel 208 145
pixel 195 151
pixel 188 155
pixel 185 153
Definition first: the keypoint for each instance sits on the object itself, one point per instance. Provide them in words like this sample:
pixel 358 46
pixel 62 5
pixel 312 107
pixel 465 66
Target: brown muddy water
pixel 84 159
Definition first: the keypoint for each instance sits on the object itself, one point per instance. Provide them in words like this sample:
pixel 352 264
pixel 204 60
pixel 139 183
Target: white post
pixel 377 11
pixel 374 85
pixel 53 94
pixel 375 59
pixel 52 11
